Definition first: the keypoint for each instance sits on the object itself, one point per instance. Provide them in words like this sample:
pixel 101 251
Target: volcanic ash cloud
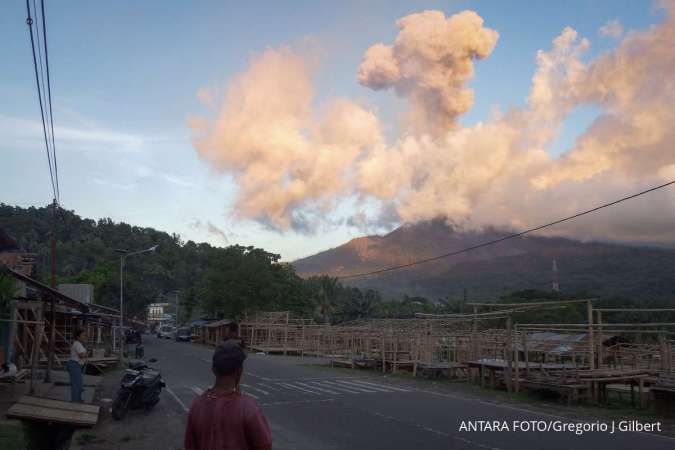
pixel 288 157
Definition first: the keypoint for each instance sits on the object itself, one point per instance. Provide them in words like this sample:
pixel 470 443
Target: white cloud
pixel 612 28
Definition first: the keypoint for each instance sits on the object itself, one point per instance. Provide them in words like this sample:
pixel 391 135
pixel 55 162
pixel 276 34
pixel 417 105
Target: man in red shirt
pixel 222 418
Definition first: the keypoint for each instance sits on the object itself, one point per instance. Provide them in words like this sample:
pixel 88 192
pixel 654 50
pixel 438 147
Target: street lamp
pixel 124 254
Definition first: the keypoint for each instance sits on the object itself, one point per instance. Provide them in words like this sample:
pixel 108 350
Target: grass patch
pixel 87 438
pixel 12 437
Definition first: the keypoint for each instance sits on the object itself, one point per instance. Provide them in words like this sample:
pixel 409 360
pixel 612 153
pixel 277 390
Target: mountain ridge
pixel 524 262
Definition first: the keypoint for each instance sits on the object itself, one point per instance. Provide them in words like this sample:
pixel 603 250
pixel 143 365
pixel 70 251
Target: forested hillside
pixel 226 282
pixel 221 281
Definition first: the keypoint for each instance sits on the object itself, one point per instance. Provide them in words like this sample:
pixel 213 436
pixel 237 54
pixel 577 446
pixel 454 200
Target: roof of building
pixel 219 323
pixel 53 293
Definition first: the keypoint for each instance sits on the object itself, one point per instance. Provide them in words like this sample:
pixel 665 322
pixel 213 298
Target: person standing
pixel 74 365
pixel 222 417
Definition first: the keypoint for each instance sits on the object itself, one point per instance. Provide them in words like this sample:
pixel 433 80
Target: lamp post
pixel 123 256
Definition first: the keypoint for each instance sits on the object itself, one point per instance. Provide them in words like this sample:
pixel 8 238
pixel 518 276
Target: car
pixel 166 331
pixel 183 334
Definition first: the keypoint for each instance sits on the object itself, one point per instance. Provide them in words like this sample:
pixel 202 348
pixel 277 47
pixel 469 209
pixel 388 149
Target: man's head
pixel 228 362
pixel 80 335
pixel 232 330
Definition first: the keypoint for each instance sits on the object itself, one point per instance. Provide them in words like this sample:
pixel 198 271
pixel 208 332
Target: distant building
pixel 12 257
pixel 156 313
pixel 81 292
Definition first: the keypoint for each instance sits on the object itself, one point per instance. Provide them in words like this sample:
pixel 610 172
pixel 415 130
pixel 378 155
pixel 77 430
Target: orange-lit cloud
pixel 287 156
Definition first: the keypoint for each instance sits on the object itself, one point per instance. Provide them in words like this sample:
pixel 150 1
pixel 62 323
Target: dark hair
pixel 233 327
pixel 77 334
pixel 227 360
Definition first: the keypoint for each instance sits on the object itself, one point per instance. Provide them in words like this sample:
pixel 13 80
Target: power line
pixel 49 96
pixel 511 236
pixel 29 22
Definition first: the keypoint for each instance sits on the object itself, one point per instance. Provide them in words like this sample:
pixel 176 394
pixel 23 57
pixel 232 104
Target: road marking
pixel 360 388
pixel 250 395
pixel 294 402
pixel 247 386
pixel 197 390
pixel 175 397
pixel 257 376
pixel 382 386
pixel 318 388
pixel 337 386
pixel 288 385
pixel 270 387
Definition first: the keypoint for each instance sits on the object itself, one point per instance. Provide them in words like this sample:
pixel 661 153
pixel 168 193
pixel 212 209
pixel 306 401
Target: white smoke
pixel 430 63
pixel 287 158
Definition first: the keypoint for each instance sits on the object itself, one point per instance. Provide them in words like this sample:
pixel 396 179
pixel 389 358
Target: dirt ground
pixel 160 429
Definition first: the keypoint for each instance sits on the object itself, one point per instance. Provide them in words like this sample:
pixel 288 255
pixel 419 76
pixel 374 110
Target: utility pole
pixel 52 326
pixel 556 286
pixel 176 299
pixel 123 255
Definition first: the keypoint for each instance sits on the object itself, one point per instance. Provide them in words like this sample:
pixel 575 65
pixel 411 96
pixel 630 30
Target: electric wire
pixel 502 239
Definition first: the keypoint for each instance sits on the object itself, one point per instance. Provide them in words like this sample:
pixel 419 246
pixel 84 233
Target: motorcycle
pixel 140 388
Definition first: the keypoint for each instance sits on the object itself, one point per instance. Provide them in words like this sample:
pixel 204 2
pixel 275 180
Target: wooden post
pixel 662 351
pixel 591 341
pixel 52 336
pixel 474 329
pixel 516 358
pixel 526 355
pixel 286 334
pixel 37 340
pixel 600 340
pixel 302 346
pixel 416 355
pixel 591 349
pixel 509 353
pixel 393 370
pixel 384 362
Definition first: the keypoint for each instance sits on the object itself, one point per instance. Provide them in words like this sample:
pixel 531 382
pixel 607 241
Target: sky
pixel 126 76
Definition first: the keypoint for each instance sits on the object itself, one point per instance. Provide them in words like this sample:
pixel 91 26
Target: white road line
pixel 294 402
pixel 332 384
pixel 175 397
pixel 311 386
pixel 360 388
pixel 197 390
pixel 288 385
pixel 270 387
pixel 383 386
pixel 251 374
pixel 248 386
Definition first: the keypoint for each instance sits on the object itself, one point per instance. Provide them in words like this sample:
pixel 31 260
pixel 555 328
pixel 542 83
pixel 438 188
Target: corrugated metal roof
pixel 218 323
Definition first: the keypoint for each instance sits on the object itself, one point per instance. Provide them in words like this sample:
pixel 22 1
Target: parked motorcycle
pixel 140 388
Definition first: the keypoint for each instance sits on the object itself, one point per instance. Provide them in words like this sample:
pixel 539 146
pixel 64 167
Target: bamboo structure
pixel 578 360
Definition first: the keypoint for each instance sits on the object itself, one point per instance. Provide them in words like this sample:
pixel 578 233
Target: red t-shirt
pixel 226 422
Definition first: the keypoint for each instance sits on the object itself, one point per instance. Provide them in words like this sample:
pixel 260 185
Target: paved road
pixel 313 409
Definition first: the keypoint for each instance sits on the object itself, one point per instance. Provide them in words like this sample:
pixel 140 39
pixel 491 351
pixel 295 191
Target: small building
pixel 156 314
pixel 213 333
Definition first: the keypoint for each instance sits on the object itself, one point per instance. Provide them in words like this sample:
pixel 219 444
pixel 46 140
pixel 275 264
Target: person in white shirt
pixel 74 365
pixel 8 370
